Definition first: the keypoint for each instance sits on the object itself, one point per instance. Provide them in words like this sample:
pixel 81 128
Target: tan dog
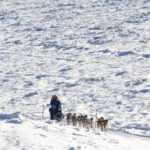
pixel 95 120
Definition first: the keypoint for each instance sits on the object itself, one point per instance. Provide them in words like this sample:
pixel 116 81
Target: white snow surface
pixel 93 54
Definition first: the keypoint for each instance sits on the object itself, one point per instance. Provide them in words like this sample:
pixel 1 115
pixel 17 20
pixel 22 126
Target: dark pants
pixel 52 112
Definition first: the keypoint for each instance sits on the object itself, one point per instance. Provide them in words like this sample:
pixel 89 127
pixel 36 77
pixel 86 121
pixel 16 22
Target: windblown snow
pixel 93 54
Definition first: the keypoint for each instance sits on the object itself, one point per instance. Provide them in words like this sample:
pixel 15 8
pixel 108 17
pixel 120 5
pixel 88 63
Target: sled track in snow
pixel 127 134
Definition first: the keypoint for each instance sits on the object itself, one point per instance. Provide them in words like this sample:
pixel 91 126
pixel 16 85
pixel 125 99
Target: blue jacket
pixel 55 104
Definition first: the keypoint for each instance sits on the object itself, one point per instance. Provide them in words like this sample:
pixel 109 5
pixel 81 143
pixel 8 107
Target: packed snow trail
pixel 21 133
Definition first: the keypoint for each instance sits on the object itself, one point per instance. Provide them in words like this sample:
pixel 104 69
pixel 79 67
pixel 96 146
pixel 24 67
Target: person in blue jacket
pixel 55 108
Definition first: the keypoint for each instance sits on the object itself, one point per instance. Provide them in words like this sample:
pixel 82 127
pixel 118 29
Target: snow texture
pixel 94 54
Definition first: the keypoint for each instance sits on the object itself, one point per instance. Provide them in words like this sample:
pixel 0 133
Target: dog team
pixel 55 112
pixel 85 122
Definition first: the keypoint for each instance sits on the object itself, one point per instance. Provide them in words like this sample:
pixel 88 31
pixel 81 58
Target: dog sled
pixel 58 116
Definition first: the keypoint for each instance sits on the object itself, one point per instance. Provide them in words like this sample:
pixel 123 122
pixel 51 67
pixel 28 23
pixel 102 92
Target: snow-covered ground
pixel 23 134
pixel 94 54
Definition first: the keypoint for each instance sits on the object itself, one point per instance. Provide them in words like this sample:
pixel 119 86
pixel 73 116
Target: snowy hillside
pixel 45 135
pixel 94 54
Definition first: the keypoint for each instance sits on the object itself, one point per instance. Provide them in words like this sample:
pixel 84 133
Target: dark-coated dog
pixel 102 124
pixel 74 119
pixel 105 124
pixel 69 118
pixel 85 121
pixel 80 120
pixel 90 122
